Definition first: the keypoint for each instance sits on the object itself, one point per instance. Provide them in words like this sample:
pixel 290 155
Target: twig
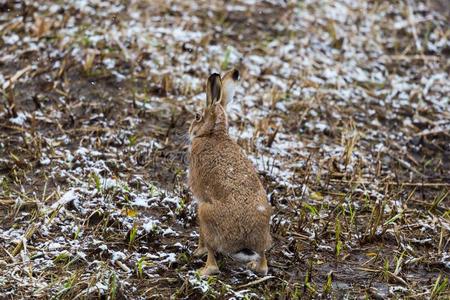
pixel 428 184
pixel 10 255
pixel 399 148
pixel 90 129
pixel 407 165
pixel 13 127
pixel 433 131
pixel 272 137
pixel 397 278
pixel 122 266
pixel 419 184
pixel 257 281
pixel 301 236
pixel 411 57
pixel 368 270
pixel 16 76
pixel 413 27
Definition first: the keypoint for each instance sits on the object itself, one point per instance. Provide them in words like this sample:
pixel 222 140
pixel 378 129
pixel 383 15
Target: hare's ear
pixel 213 89
pixel 230 81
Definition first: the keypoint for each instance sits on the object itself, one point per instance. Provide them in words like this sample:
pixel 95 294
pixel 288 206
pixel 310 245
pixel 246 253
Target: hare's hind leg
pixel 201 248
pixel 259 266
pixel 210 267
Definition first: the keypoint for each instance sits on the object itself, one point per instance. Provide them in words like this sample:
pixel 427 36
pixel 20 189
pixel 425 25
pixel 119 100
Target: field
pixel 343 107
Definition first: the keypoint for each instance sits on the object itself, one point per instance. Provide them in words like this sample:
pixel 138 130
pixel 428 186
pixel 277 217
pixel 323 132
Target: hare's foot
pixel 208 271
pixel 210 267
pixel 200 251
pixel 260 266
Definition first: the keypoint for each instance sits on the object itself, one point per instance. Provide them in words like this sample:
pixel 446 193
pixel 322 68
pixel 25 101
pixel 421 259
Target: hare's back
pixel 229 172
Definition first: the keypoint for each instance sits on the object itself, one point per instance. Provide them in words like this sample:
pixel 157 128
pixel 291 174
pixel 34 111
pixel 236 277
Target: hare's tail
pixel 245 255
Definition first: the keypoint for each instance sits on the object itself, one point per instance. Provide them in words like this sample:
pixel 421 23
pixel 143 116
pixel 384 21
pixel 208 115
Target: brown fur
pixel 233 209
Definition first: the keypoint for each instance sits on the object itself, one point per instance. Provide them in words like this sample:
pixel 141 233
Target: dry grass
pixel 344 110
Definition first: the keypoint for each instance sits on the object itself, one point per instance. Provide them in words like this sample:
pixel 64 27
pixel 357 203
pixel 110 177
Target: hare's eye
pixel 198 117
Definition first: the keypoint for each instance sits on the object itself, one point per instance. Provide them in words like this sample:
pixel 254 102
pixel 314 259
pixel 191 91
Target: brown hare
pixel 233 210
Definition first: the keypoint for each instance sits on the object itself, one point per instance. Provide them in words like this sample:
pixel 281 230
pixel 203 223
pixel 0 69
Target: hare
pixel 233 209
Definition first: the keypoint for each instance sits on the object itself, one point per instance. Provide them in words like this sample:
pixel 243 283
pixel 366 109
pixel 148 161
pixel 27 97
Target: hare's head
pixel 213 118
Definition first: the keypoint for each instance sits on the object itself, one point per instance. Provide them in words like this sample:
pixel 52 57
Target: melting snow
pixel 20 119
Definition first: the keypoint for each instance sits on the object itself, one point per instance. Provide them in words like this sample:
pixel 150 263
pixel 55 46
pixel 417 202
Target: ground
pixel 343 108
